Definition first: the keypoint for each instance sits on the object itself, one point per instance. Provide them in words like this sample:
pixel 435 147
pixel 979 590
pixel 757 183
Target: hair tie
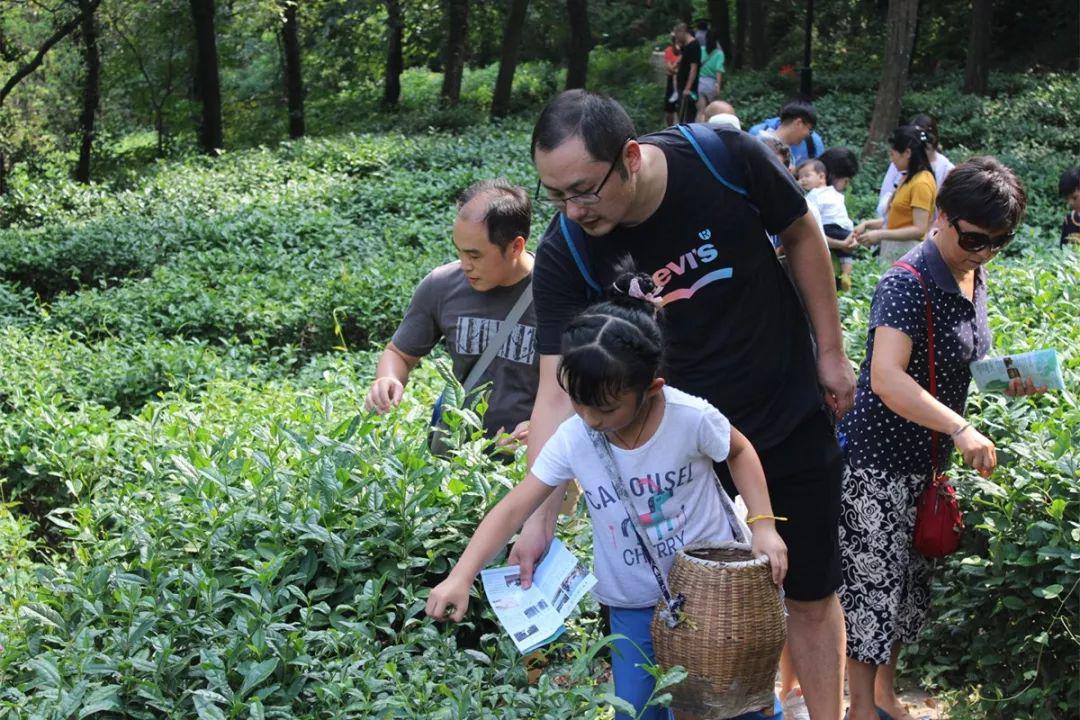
pixel 637 293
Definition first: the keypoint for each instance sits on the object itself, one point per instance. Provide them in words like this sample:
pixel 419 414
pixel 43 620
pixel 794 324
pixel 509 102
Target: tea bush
pixel 265 553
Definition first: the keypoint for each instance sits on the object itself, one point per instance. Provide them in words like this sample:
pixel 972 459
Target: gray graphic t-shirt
pixel 445 307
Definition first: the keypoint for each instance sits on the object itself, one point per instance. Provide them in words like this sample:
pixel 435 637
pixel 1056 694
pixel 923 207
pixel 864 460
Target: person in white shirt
pixel 663 444
pixel 940 164
pixel 835 222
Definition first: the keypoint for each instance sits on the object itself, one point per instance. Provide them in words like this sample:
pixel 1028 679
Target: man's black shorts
pixel 804 473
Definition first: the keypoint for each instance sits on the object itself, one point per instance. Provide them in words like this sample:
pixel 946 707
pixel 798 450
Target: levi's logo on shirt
pixel 688 261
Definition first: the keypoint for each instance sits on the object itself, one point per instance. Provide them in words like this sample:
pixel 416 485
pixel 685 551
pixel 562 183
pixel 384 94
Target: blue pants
pixel 632 683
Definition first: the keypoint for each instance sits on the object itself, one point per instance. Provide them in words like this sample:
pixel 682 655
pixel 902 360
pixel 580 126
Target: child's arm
pixel 749 480
pixel 490 537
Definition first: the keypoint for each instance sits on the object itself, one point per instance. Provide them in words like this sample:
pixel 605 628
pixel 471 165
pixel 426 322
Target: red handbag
pixel 938 520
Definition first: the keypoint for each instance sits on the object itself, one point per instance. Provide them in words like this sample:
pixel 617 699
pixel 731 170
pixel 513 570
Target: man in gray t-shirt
pixel 464 304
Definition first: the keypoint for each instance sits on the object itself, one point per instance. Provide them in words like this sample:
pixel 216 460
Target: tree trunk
pixel 742 12
pixel 458 19
pixel 504 83
pixel 759 50
pixel 3 174
pixel 207 79
pixel 977 68
pixel 720 19
pixel 577 56
pixel 294 79
pixel 894 72
pixel 395 63
pixel 91 90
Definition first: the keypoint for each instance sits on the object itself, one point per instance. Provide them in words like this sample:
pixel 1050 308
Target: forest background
pixel 213 213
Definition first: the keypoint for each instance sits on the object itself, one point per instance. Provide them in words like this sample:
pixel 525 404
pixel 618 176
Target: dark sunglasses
pixel 974 242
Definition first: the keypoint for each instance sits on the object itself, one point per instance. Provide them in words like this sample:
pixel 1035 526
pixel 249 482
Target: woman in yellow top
pixel 907 219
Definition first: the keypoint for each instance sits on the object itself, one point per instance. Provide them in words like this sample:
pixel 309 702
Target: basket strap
pixel 740 531
pixel 674 604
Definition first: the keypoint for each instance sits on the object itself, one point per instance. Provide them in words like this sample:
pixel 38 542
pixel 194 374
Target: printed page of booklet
pixel 534 617
pixel 1040 366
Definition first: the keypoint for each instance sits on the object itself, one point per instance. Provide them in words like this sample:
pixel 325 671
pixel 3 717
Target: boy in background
pixel 835 222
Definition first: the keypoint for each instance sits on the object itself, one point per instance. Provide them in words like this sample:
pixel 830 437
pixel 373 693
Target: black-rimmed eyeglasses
pixel 587 198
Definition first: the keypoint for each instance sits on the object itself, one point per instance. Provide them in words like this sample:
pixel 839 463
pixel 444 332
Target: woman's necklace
pixel 641 428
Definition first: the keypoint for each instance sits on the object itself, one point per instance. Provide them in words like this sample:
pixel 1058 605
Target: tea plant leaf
pixel 206 709
pixel 1049 592
pixel 256 674
pixel 46 669
pixel 101 699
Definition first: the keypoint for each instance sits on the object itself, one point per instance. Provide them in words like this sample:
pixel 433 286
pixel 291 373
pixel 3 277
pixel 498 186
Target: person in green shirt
pixel 711 75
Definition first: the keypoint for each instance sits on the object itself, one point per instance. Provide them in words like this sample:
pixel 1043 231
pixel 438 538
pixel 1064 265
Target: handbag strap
pixel 493 347
pixel 670 614
pixel 935 451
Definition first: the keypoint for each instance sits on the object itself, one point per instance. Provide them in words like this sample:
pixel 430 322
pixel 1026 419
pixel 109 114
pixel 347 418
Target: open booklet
pixel 534 617
pixel 1041 366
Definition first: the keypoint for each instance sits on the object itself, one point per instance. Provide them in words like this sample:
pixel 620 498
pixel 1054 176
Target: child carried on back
pixel 836 224
pixel 664 443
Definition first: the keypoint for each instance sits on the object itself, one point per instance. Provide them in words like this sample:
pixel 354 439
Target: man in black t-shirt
pixel 686 78
pixel 736 333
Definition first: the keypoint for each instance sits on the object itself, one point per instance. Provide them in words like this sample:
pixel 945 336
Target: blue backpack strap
pixel 715 156
pixel 575 240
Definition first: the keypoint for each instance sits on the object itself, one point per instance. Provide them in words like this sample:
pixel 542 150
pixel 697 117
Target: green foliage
pixel 204 522
pixel 267 550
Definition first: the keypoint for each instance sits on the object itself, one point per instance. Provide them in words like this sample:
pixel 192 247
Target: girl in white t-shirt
pixel 664 443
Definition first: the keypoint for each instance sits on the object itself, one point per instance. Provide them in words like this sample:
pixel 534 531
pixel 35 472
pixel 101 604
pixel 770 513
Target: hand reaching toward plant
pixel 978 450
pixel 385 393
pixel 449 599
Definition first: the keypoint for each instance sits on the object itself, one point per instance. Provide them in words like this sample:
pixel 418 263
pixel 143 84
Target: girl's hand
pixel 859 229
pixel 766 541
pixel 450 593
pixel 978 450
pixel 1020 387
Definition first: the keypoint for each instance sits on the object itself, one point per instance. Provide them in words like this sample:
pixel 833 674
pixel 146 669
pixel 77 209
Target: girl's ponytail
pixel 633 289
pixel 915 139
pixel 614 346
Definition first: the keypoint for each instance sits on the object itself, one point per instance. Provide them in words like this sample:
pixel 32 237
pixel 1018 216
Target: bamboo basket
pixel 731 635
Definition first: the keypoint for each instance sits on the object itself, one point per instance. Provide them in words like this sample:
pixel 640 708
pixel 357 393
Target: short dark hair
pixel 814 164
pixel 508 213
pixel 799 109
pixel 600 122
pixel 840 162
pixel 1070 180
pixel 929 126
pixel 984 192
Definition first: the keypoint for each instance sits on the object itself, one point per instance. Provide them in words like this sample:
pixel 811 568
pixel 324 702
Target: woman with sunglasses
pixel 888 434
pixel 907 217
